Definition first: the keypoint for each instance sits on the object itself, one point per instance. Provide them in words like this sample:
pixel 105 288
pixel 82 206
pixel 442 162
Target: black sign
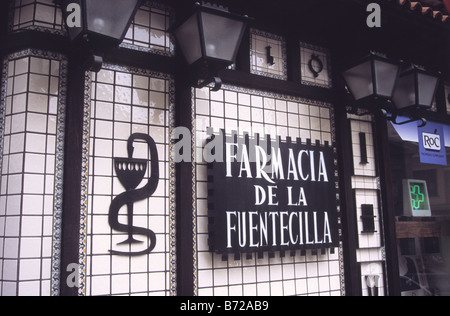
pixel 271 196
pixel 131 172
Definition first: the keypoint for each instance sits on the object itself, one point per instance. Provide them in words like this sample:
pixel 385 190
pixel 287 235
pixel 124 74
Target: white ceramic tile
pixel 33 184
pixel 14 184
pixel 149 30
pixel 100 285
pixel 157 281
pixel 123 79
pixel 19 103
pixel 31 226
pixel 104 92
pixel 32 288
pixel 26 13
pixel 10 270
pixel 17 123
pixel 29 270
pixel 45 13
pixel 11 248
pixel 54 86
pixel 12 227
pixel 37 102
pixel 34 163
pixel 12 207
pixel 105 76
pixel 15 163
pixel 30 248
pixel 21 66
pixel 313 285
pixel 39 65
pixel 122 95
pixel 36 123
pixel 55 68
pixel 38 83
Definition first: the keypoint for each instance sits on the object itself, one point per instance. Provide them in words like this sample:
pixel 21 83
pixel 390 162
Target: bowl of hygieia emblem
pixel 130 171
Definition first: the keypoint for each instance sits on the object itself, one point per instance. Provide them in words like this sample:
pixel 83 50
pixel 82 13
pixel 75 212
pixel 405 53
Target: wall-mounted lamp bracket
pixel 93 63
pixel 414 118
pixel 356 111
pixel 371 106
pixel 215 80
pixel 387 110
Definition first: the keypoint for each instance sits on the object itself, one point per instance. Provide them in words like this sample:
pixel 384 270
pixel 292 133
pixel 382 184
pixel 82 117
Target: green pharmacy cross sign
pixel 416 201
pixel 418 198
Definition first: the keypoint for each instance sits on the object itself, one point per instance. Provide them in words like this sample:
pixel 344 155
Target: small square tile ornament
pixel 268 55
pixel 315 66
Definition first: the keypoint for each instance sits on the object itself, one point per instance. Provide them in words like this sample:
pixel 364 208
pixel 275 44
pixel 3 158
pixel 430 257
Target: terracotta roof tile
pixel 425 9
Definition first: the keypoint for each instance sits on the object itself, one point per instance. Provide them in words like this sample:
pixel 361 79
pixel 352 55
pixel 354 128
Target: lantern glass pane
pixel 359 80
pixel 188 36
pixel 110 18
pixel 386 76
pixel 427 88
pixel 222 36
pixel 405 92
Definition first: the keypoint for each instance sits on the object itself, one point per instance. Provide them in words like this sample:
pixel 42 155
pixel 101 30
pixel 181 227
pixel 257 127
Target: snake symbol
pixel 131 172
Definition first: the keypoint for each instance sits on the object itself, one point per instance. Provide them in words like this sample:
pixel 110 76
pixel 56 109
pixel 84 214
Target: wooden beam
pixel 409 230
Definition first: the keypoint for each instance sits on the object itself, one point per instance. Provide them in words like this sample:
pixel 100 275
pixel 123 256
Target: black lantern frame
pixel 210 40
pixel 377 83
pixel 104 25
pixel 365 78
pixel 413 92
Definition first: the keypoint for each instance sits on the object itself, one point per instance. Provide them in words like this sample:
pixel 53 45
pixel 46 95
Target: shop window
pixel 37 15
pixel 268 55
pixel 315 66
pixel 422 204
pixel 149 30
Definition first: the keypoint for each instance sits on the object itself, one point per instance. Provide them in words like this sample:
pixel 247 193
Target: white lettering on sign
pixel 317 170
pixel 431 142
pixel 271 195
pixel 277 229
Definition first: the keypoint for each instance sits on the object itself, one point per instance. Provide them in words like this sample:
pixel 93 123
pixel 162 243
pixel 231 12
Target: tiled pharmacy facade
pixel 258 112
pixel 121 102
pixel 33 119
pixel 285 85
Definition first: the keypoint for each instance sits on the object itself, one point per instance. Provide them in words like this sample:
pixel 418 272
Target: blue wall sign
pixel 432 144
